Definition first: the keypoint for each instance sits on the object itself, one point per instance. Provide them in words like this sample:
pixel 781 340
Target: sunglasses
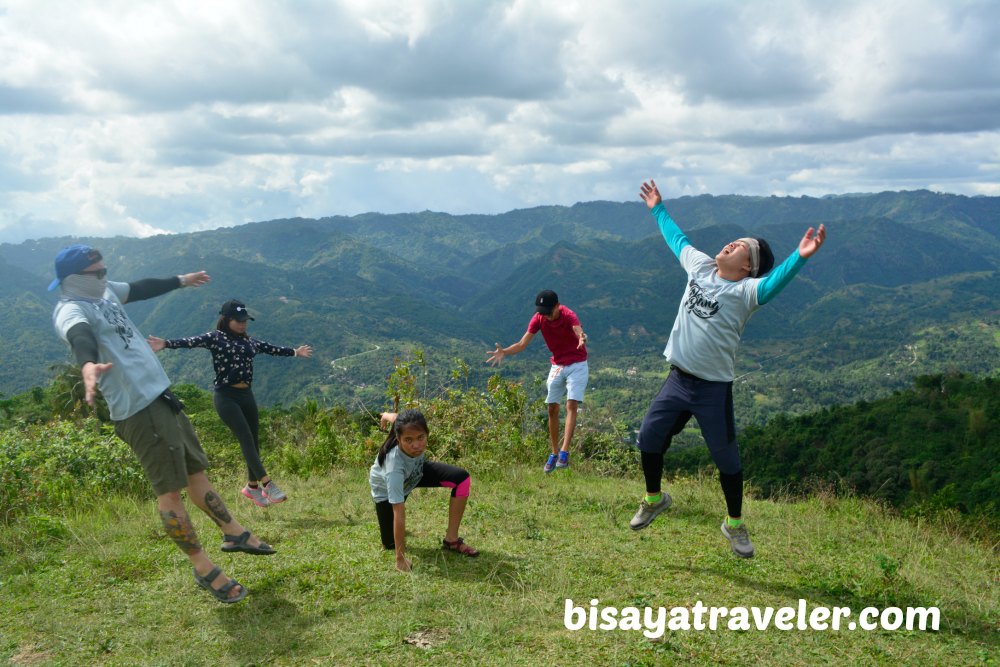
pixel 97 273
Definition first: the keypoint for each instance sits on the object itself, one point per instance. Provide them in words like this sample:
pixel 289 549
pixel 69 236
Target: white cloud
pixel 138 118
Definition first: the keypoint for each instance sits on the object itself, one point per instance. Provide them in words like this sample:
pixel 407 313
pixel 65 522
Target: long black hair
pixel 404 419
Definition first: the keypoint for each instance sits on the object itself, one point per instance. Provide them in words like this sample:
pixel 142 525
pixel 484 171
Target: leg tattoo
pixel 181 531
pixel 217 509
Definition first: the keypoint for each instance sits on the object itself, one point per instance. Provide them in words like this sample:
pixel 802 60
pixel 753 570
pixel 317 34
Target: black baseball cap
pixel 235 310
pixel 546 301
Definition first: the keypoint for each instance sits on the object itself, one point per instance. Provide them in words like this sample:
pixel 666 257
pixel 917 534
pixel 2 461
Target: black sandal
pixel 239 543
pixel 222 593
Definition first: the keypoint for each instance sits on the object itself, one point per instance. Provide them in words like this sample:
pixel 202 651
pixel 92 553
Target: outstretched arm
pixel 497 355
pixel 202 340
pixel 275 350
pixel 778 279
pixel 147 288
pixel 672 234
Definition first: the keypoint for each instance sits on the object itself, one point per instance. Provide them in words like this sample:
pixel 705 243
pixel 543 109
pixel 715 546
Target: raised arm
pixel 497 355
pixel 672 234
pixel 778 279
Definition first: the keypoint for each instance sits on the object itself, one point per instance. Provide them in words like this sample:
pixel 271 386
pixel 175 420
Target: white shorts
pixel 571 380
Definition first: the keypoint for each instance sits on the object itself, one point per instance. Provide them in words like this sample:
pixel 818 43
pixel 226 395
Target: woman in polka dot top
pixel 232 357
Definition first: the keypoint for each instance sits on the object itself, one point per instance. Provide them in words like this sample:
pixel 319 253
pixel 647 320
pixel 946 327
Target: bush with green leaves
pixel 309 439
pixel 62 464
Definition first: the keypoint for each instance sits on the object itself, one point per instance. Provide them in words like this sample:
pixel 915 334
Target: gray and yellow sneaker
pixel 739 539
pixel 649 511
pixel 273 493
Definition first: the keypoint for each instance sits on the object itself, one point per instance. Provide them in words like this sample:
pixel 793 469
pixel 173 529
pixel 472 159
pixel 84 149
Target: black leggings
pixel 732 485
pixel 435 474
pixel 237 409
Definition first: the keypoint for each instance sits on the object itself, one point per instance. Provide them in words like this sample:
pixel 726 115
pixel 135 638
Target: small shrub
pixel 59 464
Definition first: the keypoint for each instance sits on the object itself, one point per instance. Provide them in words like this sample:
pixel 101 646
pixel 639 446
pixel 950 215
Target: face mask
pixel 84 287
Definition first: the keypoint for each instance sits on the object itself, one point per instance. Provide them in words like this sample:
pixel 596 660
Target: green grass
pixel 106 587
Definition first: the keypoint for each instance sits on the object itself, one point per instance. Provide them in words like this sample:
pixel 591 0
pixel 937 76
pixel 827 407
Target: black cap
pixel 546 301
pixel 235 310
pixel 766 260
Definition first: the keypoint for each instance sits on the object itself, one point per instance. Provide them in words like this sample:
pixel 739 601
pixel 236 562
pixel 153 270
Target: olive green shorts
pixel 165 444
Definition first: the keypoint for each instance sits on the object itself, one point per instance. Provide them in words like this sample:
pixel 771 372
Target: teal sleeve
pixel 672 234
pixel 778 279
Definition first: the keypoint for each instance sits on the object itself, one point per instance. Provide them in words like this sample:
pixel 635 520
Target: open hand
pixel 156 343
pixel 810 243
pixel 91 373
pixel 196 279
pixel 650 194
pixel 496 356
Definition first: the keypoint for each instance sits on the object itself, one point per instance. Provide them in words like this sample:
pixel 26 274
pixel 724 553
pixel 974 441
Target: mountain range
pixel 905 285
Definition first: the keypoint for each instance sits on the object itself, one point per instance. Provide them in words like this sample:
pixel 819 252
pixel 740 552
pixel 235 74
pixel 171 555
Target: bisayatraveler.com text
pixel 654 622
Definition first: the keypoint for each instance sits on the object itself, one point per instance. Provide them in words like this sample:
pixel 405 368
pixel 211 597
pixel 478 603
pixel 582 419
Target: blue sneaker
pixel 563 461
pixel 550 465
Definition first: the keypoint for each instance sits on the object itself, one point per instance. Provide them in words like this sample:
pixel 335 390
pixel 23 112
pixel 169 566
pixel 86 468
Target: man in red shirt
pixel 568 376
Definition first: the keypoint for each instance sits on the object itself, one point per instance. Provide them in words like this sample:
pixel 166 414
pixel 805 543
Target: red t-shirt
pixel 559 336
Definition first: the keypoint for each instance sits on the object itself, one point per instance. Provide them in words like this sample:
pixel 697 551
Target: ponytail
pixel 404 419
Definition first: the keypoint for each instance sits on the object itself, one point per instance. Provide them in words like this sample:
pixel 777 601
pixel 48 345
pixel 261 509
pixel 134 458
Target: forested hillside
pixel 934 445
pixel 905 286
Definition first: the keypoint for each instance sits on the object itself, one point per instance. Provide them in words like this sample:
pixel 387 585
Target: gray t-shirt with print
pixel 710 319
pixel 136 377
pixel 399 475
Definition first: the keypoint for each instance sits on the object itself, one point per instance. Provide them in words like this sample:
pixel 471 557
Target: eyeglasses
pixel 97 273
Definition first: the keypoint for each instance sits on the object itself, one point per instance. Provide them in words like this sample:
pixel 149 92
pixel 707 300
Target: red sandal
pixel 460 546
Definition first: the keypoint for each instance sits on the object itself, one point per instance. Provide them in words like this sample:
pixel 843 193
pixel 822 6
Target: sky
pixel 138 118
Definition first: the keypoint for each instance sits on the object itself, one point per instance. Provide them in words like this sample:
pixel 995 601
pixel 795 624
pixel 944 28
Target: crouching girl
pixel 401 467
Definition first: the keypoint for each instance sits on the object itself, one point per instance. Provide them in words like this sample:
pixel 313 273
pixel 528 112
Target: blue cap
pixel 73 259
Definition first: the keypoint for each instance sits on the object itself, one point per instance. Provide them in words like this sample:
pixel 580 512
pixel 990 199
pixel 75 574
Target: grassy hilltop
pixel 88 577
pixel 103 585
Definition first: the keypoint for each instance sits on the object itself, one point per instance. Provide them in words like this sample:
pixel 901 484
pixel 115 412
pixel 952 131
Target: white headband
pixel 754 249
